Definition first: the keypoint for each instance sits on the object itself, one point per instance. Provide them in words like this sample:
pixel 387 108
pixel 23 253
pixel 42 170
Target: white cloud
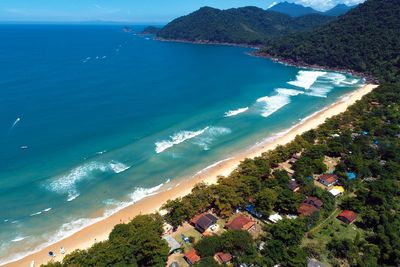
pixel 326 4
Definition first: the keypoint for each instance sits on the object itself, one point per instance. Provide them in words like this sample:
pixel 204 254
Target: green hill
pixel 367 39
pixel 247 25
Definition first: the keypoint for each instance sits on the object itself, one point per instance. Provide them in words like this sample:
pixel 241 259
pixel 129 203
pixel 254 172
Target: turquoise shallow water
pixel 93 118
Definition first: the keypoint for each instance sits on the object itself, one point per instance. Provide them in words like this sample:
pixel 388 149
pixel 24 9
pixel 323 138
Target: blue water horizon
pixel 94 118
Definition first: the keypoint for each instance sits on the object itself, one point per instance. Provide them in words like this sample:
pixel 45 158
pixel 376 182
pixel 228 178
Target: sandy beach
pixel 100 230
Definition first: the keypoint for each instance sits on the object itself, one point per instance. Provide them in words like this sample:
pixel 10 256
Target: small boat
pixel 24 147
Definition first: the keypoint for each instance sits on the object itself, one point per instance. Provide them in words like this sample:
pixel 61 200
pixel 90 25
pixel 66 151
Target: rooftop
pixel 223 257
pixel 192 256
pixel 347 216
pixel 306 209
pixel 241 222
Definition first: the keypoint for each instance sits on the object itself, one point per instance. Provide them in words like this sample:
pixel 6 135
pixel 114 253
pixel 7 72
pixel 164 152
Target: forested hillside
pixel 247 25
pixel 367 39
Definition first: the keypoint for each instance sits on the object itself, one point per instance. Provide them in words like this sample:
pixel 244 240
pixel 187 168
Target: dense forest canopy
pixel 247 25
pixel 367 39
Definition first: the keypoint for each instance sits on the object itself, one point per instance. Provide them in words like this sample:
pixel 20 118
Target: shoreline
pixel 205 42
pixel 289 62
pixel 99 230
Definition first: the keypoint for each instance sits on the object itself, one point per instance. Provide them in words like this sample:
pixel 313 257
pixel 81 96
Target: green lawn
pixel 321 235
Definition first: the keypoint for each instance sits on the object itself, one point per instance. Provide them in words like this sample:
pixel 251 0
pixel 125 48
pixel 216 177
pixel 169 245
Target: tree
pixel 265 200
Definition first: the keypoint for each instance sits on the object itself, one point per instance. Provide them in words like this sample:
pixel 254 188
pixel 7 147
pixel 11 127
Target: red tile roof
pixel 347 216
pixel 223 257
pixel 306 209
pixel 241 222
pixel 192 256
pixel 328 178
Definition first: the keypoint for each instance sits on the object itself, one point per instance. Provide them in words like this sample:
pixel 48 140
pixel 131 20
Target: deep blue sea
pixel 93 118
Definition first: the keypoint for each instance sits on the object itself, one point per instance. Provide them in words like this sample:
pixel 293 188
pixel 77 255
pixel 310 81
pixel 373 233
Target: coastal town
pixel 182 240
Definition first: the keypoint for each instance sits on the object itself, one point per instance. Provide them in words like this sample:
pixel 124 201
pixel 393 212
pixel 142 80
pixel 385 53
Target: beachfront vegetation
pixel 247 25
pixel 136 243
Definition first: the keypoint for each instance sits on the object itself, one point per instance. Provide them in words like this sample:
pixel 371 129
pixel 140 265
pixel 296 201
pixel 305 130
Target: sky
pixel 140 11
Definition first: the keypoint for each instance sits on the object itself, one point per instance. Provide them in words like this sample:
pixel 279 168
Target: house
pixel 223 258
pixel 328 179
pixel 293 185
pixel 191 257
pixel 316 202
pixel 337 191
pixel 306 209
pixel 274 218
pixel 203 221
pixel 309 206
pixel 241 222
pixel 172 243
pixel 347 216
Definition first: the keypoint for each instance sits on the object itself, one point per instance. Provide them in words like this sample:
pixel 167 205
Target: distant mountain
pixel 338 10
pixel 247 25
pixel 292 9
pixel 296 10
pixel 366 39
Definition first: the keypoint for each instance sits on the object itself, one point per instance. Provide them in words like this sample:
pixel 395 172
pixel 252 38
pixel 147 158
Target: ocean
pixel 93 119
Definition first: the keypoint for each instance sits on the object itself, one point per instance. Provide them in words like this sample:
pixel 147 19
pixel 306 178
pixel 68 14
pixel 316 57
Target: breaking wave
pixel 271 104
pixel 235 112
pixel 306 78
pixel 177 138
pixel 209 136
pixel 328 82
pixel 67 184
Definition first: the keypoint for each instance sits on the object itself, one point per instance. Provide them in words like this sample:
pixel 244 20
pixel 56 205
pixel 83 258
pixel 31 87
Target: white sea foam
pixel 235 112
pixel 306 78
pixel 67 184
pixel 271 104
pixel 209 136
pixel 288 92
pixel 177 138
pixel 118 167
pixel 46 210
pixel 328 82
